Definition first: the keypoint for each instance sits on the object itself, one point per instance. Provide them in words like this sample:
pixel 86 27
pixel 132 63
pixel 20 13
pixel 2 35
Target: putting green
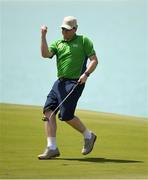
pixel 121 150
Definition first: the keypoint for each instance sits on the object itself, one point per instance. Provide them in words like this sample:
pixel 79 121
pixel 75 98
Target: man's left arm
pixel 91 67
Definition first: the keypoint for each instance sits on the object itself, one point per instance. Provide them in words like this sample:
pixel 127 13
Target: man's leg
pixel 50 130
pixel 50 124
pixel 77 124
pixel 89 137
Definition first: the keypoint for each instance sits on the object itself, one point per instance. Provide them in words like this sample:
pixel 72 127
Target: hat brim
pixel 66 26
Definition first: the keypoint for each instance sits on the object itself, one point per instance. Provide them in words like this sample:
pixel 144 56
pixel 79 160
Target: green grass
pixel 121 149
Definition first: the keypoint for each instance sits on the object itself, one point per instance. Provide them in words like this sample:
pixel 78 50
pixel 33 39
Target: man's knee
pixel 48 115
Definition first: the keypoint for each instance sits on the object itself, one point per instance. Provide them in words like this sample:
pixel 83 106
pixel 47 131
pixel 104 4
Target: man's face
pixel 68 34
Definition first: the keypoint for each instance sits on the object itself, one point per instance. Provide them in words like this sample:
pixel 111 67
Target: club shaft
pixel 63 100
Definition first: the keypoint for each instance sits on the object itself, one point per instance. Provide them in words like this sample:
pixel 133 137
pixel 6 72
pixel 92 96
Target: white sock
pixel 87 134
pixel 51 142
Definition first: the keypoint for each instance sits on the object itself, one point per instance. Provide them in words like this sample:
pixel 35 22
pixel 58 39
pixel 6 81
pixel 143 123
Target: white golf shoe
pixel 89 144
pixel 49 154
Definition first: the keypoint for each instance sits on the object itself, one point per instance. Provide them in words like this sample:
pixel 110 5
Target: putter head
pixel 44 118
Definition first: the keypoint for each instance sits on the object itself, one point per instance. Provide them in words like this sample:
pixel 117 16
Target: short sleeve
pixel 88 47
pixel 53 47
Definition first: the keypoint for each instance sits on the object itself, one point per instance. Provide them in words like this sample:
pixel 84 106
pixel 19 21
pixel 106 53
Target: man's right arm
pixel 44 47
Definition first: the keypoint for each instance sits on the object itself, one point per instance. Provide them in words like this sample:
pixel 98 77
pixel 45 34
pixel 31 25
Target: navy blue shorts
pixel 59 91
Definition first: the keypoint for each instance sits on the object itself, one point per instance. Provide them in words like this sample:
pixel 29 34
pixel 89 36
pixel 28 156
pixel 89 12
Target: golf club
pixel 74 87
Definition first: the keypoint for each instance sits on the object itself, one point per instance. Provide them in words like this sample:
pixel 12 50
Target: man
pixel 72 53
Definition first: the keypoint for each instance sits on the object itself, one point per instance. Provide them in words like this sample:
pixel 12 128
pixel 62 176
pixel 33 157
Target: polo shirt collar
pixel 73 38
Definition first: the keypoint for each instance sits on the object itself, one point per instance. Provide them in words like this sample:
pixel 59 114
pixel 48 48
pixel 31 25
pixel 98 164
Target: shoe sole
pixel 92 147
pixel 56 155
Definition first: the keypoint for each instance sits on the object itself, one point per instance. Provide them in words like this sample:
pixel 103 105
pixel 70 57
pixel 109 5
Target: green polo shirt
pixel 72 56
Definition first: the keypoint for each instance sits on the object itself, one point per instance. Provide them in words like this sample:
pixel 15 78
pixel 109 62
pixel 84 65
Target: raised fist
pixel 44 29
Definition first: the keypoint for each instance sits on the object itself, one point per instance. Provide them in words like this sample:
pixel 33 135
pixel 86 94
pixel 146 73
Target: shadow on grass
pixel 100 160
